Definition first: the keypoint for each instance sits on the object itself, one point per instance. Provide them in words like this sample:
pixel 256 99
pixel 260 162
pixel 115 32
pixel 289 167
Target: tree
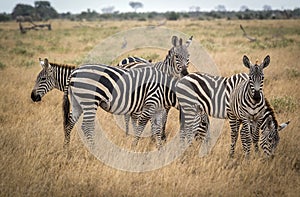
pixel 108 10
pixel 173 16
pixel 195 9
pixel 267 8
pixel 22 10
pixel 42 4
pixel 44 10
pixel 244 8
pixel 221 8
pixel 135 5
pixel 41 10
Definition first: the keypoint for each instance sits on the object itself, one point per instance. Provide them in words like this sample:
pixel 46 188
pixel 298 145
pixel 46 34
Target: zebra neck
pixel 61 75
pixel 172 100
pixel 269 111
pixel 168 66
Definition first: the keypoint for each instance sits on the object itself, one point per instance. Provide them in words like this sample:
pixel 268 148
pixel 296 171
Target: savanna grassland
pixel 34 163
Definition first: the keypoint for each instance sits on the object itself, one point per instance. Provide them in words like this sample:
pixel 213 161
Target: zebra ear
pixel 47 65
pixel 41 62
pixel 269 121
pixel 175 41
pixel 266 61
pixel 44 63
pixel 283 125
pixel 180 41
pixel 246 61
pixel 189 41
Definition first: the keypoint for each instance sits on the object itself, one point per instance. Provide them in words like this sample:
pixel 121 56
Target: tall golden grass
pixel 33 162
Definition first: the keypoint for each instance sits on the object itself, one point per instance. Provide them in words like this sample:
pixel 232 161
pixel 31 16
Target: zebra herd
pixel 144 92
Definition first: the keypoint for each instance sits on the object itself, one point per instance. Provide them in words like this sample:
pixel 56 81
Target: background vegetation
pixel 33 162
pixel 42 10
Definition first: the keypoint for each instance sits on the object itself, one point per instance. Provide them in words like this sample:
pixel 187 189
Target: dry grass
pixel 33 162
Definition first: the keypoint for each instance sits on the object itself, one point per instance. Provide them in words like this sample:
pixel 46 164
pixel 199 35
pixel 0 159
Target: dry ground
pixel 33 162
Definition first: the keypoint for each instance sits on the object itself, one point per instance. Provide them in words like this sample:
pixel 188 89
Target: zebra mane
pixel 71 66
pixel 271 112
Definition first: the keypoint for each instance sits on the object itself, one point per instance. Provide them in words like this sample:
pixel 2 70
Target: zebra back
pixel 122 90
pixel 211 93
pixel 132 62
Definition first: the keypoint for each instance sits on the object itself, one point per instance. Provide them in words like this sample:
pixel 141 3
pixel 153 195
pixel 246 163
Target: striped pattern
pixel 175 64
pixel 210 93
pixel 118 91
pixel 52 76
pixel 238 98
pixel 270 131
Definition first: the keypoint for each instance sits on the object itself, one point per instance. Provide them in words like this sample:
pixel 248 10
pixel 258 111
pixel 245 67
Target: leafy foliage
pixel 41 10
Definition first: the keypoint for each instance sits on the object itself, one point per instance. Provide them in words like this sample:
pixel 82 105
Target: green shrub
pixel 283 104
pixel 173 16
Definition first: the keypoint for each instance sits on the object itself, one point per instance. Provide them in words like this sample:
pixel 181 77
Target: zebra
pixel 118 91
pixel 238 98
pixel 175 64
pixel 52 76
pixel 270 131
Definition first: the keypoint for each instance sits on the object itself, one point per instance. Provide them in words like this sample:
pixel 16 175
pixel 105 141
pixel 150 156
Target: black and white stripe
pixel 175 64
pixel 52 76
pixel 238 98
pixel 118 91
pixel 269 136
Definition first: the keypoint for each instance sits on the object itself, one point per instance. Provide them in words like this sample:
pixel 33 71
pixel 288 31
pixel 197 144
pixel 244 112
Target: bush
pixel 283 104
pixel 173 16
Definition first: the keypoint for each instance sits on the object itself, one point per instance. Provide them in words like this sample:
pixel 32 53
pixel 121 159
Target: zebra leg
pixel 234 125
pixel 254 131
pixel 163 131
pixel 127 119
pixel 157 125
pixel 134 119
pixel 141 123
pixel 182 126
pixel 206 126
pixel 88 125
pixel 246 139
pixel 186 126
pixel 70 118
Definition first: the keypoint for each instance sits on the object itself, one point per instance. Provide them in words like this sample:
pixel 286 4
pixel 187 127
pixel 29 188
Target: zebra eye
pixel 43 78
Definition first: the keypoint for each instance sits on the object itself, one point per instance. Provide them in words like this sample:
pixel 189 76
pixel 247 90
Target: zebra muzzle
pixel 184 72
pixel 256 96
pixel 35 97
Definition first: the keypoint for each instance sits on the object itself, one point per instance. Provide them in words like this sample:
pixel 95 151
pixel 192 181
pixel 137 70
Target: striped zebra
pixel 270 128
pixel 118 91
pixel 238 98
pixel 52 76
pixel 175 64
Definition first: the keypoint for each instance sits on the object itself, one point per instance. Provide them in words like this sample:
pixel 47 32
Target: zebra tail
pixel 66 108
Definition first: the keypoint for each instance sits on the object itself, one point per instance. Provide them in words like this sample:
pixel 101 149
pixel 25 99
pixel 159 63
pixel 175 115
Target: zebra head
pixel 179 55
pixel 270 136
pixel 201 123
pixel 256 76
pixel 44 82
